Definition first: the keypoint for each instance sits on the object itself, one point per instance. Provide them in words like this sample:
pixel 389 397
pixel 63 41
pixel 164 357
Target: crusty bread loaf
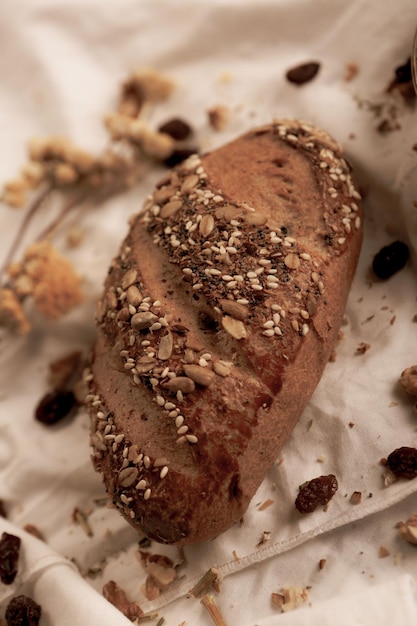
pixel 218 317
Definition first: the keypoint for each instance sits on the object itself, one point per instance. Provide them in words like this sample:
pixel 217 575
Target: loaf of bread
pixel 217 320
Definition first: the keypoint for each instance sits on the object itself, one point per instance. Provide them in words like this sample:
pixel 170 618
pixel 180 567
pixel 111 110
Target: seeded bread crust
pixel 218 317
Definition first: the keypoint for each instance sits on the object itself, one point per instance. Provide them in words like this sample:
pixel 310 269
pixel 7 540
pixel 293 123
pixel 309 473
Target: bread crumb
pixel 362 348
pixel 290 598
pixel 356 497
pixel 116 596
pixel 351 71
pixel 408 530
pixel 383 552
pixel 75 237
pixel 235 556
pixel 218 116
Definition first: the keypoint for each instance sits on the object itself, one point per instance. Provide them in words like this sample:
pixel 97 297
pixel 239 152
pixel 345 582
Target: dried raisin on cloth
pixel 315 492
pixel 9 557
pixel 403 462
pixel 390 260
pixel 23 611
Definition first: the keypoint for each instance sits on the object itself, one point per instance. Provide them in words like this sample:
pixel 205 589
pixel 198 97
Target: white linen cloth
pixel 62 62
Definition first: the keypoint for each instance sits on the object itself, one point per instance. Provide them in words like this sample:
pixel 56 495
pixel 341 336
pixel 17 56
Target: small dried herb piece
pixel 9 556
pixel 403 462
pixel 303 73
pixel 210 580
pixel 315 492
pixel 54 406
pixel 23 611
pixel 390 259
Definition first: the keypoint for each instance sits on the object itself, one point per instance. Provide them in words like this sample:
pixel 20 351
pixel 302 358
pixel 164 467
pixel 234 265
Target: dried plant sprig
pixel 49 278
pixel 56 164
pixel 210 580
pixel 213 610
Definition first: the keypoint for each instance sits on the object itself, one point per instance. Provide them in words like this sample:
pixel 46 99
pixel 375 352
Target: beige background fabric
pixel 60 69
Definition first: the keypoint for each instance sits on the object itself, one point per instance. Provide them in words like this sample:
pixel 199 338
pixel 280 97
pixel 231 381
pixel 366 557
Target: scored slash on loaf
pixel 217 320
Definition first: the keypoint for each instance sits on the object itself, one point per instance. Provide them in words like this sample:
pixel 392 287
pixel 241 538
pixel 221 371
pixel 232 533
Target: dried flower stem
pixel 211 606
pixel 211 579
pixel 33 209
pixel 66 210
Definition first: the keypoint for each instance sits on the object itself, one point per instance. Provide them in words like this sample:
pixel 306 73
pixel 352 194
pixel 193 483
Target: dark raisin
pixel 315 492
pixel 9 557
pixel 176 128
pixel 54 406
pixel 178 156
pixel 303 73
pixel 403 462
pixel 23 611
pixel 2 509
pixel 403 72
pixel 390 259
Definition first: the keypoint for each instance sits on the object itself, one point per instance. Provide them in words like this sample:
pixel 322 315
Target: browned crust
pixel 217 320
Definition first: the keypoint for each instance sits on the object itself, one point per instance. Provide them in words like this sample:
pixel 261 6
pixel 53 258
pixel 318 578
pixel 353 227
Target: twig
pixel 211 579
pixel 209 603
pixel 35 206
pixel 67 208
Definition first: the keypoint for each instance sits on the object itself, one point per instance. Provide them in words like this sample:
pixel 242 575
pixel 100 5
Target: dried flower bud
pixel 64 174
pixel 12 315
pixel 14 193
pixel 151 84
pixel 33 172
pixel 157 145
pixel 56 287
